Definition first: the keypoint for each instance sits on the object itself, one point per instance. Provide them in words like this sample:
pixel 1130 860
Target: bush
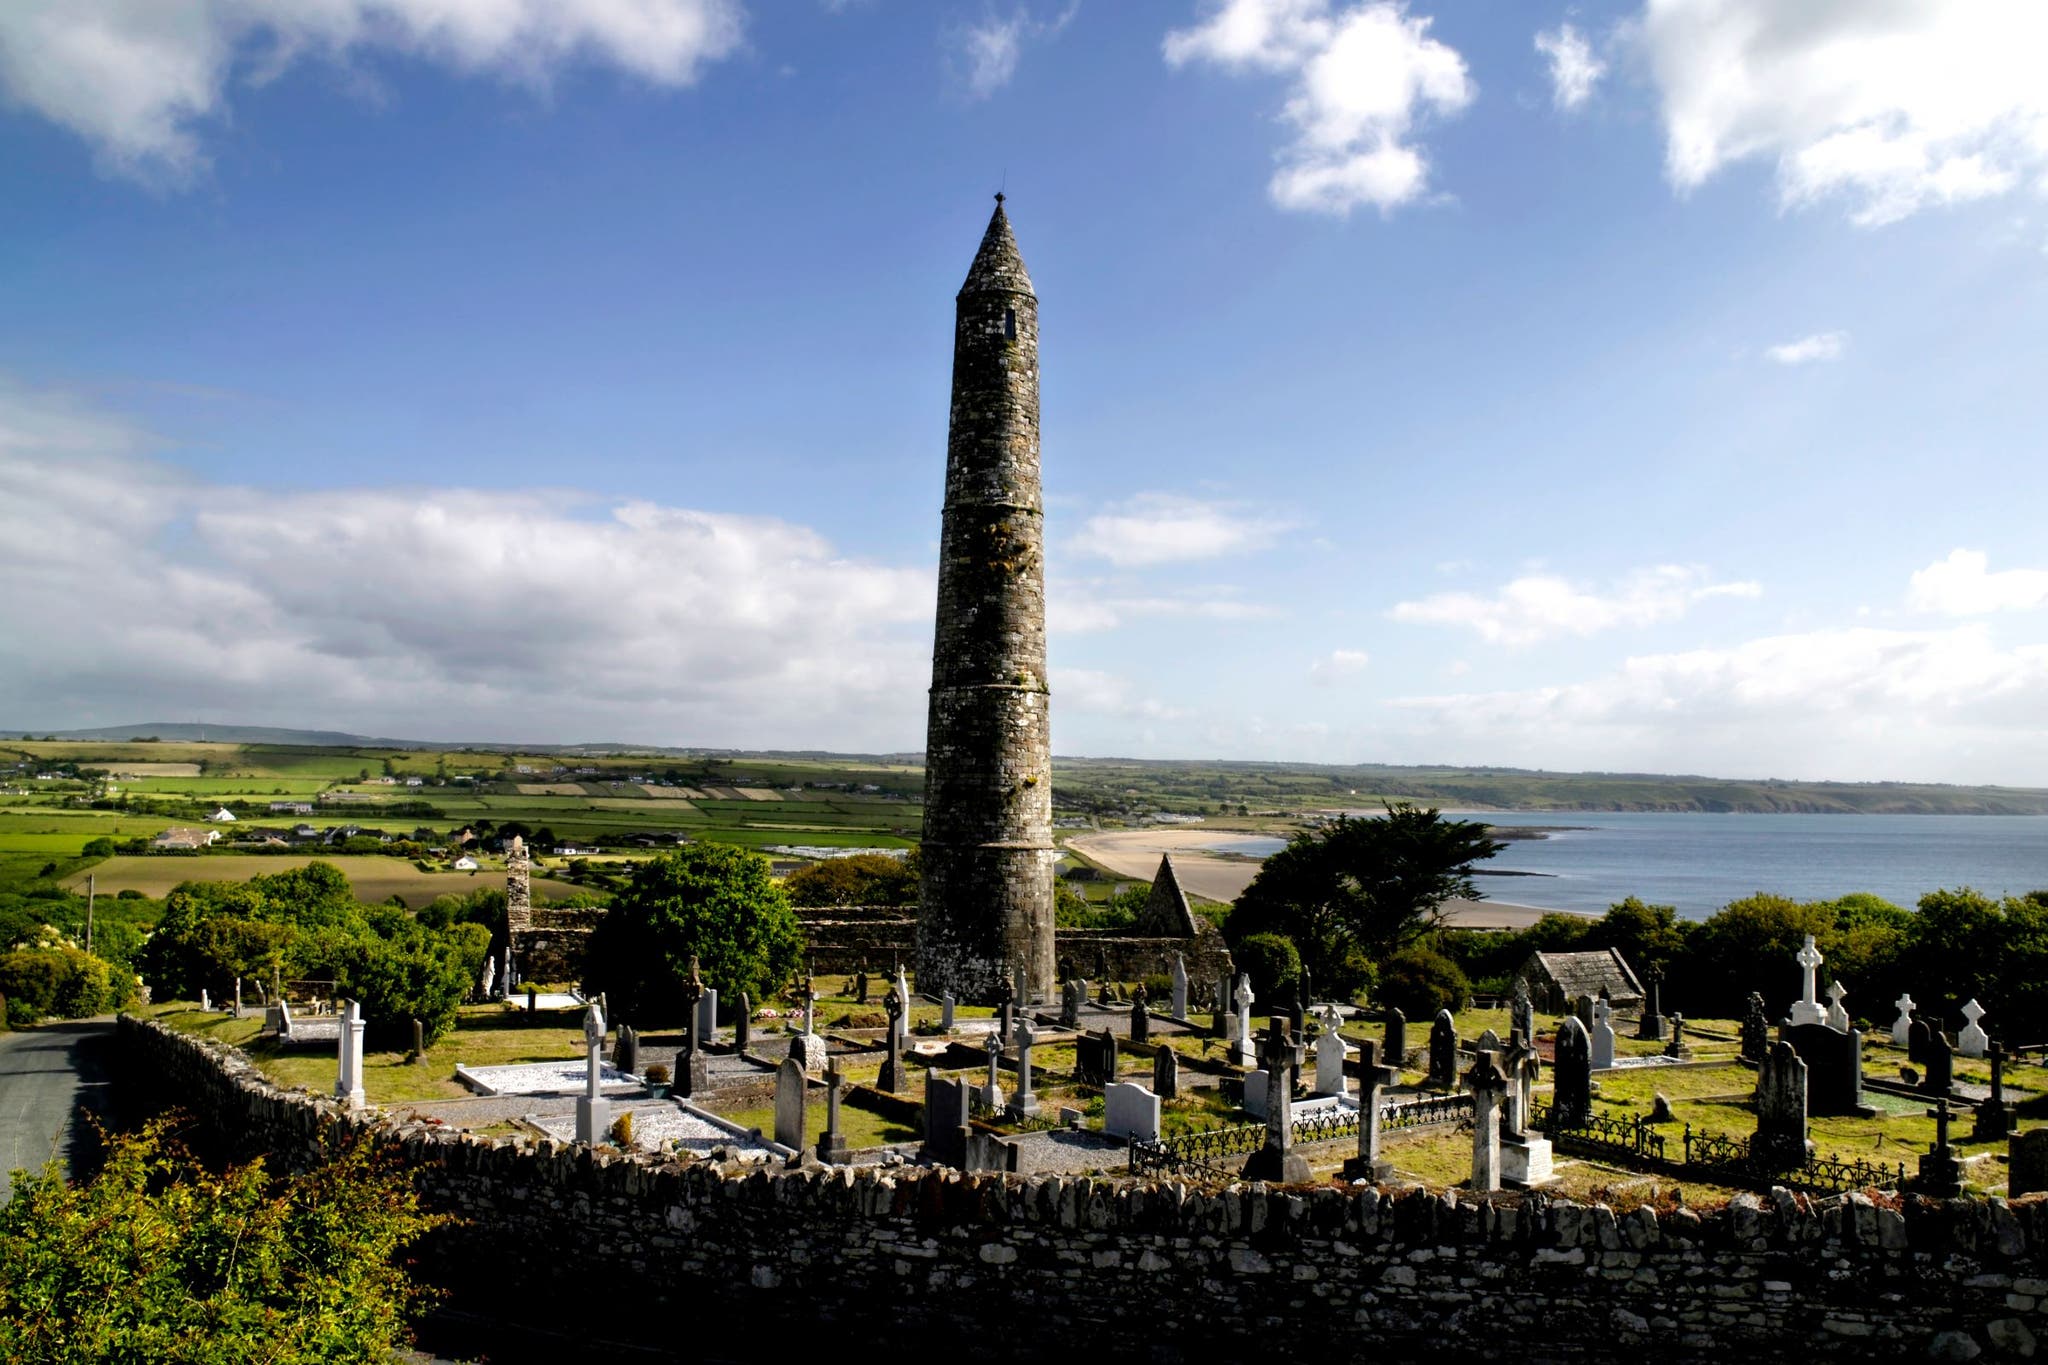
pixel 1419 981
pixel 1272 964
pixel 60 982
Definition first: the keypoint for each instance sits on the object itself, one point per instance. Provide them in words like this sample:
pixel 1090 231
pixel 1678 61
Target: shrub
pixel 1271 962
pixel 1419 981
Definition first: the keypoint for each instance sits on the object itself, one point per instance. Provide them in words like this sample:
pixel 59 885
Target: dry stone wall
pixel 1161 1271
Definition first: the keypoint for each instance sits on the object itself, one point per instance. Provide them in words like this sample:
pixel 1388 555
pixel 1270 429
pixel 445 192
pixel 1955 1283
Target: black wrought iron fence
pixel 1397 1114
pixel 1631 1137
pixel 1713 1156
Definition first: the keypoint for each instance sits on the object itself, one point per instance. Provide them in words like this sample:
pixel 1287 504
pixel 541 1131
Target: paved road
pixel 46 1074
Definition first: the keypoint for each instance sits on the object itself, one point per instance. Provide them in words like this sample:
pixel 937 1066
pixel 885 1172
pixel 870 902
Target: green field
pixel 375 879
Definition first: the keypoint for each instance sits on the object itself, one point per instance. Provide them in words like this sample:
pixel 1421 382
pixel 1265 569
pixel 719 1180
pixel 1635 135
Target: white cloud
pixel 1848 703
pixel 991 49
pixel 1891 107
pixel 1574 69
pixel 1544 606
pixel 1962 585
pixel 1081 606
pixel 1362 75
pixel 1808 349
pixel 1092 692
pixel 443 613
pixel 1338 665
pixel 1167 528
pixel 141 79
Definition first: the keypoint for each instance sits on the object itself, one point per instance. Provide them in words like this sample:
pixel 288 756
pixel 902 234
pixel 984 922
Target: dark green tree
pixel 1357 891
pixel 719 904
pixel 856 879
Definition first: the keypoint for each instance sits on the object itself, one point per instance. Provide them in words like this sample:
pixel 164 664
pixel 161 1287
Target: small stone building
pixel 1557 979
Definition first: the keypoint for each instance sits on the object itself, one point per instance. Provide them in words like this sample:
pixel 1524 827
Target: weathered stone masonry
pixel 1171 1273
pixel 987 885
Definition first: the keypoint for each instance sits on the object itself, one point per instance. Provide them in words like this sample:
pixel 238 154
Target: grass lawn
pixel 860 1127
pixel 375 878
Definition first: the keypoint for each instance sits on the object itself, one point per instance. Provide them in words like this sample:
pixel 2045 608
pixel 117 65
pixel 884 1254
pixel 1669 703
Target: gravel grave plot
pixel 1068 1151
pixel 656 1126
pixel 567 1077
pixel 720 1068
pixel 546 1000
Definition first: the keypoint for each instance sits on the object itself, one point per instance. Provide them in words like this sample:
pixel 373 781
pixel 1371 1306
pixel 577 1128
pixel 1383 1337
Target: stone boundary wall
pixel 1013 1265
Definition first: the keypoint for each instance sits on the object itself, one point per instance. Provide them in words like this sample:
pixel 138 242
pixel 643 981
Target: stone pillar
pixel 593 1111
pixel 1488 1086
pixel 742 1023
pixel 348 1084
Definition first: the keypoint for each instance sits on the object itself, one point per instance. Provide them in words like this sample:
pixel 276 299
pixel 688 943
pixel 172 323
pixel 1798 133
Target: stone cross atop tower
pixel 986 899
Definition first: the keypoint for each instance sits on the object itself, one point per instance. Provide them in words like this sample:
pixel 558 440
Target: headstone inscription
pixel 1443 1051
pixel 1781 1109
pixel 1277 1161
pixel 593 1111
pixel 790 1094
pixel 1971 1042
pixel 1166 1073
pixel 1488 1086
pixel 1571 1100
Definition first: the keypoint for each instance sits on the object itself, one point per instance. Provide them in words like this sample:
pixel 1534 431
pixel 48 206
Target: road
pixel 45 1075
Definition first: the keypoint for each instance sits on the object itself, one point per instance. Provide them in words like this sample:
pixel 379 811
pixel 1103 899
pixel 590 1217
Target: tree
pixel 1272 964
pixel 719 904
pixel 239 1266
pixel 856 879
pixel 1645 935
pixel 1357 891
pixel 1419 981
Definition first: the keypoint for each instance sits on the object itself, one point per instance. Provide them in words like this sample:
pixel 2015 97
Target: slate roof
pixel 1577 974
pixel 998 265
pixel 1166 913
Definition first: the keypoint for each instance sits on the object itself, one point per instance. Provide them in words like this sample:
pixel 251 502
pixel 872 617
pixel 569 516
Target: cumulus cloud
pixel 141 79
pixel 1848 703
pixel 988 52
pixel 1338 665
pixel 1082 606
pixel 1541 607
pixel 1963 585
pixel 446 613
pixel 1167 528
pixel 1821 346
pixel 1574 69
pixel 1362 77
pixel 1096 693
pixel 1888 107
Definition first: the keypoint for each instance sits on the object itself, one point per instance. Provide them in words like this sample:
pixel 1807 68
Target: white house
pixel 465 864
pixel 223 816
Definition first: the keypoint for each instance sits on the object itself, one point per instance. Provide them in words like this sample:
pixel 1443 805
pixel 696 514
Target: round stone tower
pixel 986 909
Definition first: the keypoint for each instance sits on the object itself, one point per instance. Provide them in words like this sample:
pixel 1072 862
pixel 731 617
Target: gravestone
pixel 1443 1051
pixel 1223 1017
pixel 626 1053
pixel 1941 1174
pixel 205 1000
pixel 1166 1074
pixel 891 1078
pixel 489 977
pixel 1806 1009
pixel 1902 1027
pixel 1838 1013
pixel 1070 1003
pixel 1006 1019
pixel 1095 1058
pixel 860 987
pixel 419 1043
pixel 946 1008
pixel 1941 1064
pixel 1020 987
pixel 692 1071
pixel 1180 988
pixel 1918 1035
pixel 1651 1029
pixel 807 1048
pixel 1582 1006
pixel 1522 1012
pixel 1676 1048
pixel 1971 1042
pixel 2026 1156
pixel 791 1091
pixel 1994 1119
pixel 1397 1039
pixel 1487 1041
pixel 707 1017
pixel 742 1023
pixel 1107 996
pixel 1756 1029
pixel 348 1084
pixel 1374 1079
pixel 1256 1086
pixel 1141 1018
pixel 1781 1109
pixel 593 1111
pixel 1297 1016
pixel 1571 1100
pixel 1525 1155
pixel 1277 1161
pixel 945 1120
pixel 1331 1053
pixel 1130 1112
pixel 903 990
pixel 1834 1067
pixel 991 1094
pixel 832 1143
pixel 1487 1085
pixel 1024 1104
pixel 1601 1036
pixel 1244 1052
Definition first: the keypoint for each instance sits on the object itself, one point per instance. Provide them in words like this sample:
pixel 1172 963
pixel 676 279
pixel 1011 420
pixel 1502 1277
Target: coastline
pixel 1135 853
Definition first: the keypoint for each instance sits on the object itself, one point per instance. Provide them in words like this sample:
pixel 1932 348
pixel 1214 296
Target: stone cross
pixel 1488 1085
pixel 992 1093
pixel 903 988
pixel 1522 1012
pixel 832 1145
pixel 689 1064
pixel 348 1084
pixel 1806 1009
pixel 1676 1047
pixel 1941 1173
pixel 1243 1054
pixel 1971 1042
pixel 1373 1081
pixel 1071 991
pixel 1141 1018
pixel 1838 1014
pixel 891 1078
pixel 1902 1027
pixel 1993 1119
pixel 1651 1027
pixel 1025 1104
pixel 1180 988
pixel 1278 1161
pixel 593 1112
pixel 1331 1051
pixel 1940 1115
pixel 810 1008
pixel 1601 1036
pixel 1522 1063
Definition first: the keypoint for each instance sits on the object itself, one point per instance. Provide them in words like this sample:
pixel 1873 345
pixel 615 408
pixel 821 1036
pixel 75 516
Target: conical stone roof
pixel 998 266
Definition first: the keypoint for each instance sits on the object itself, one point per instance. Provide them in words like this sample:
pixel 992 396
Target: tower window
pixel 1010 323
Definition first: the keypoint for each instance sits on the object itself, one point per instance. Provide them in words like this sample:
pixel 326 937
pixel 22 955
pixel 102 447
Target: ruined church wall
pixel 1019 1264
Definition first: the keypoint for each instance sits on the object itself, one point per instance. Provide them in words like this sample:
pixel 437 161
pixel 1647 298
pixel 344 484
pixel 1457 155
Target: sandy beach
pixel 1136 852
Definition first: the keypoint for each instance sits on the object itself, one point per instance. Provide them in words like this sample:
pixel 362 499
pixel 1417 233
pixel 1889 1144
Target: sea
pixel 1699 862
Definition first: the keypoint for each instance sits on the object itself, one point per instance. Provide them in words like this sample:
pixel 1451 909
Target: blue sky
pixel 1649 386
